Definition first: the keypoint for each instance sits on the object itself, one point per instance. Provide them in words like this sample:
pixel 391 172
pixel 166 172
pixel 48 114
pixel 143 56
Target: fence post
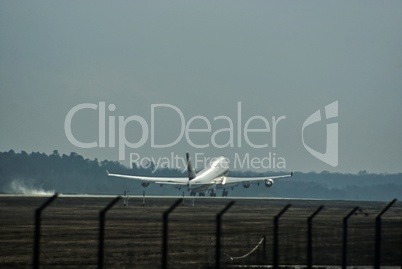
pixel 345 237
pixel 165 232
pixel 377 258
pixel 218 234
pixel 310 237
pixel 102 230
pixel 38 217
pixel 276 240
pixel 126 197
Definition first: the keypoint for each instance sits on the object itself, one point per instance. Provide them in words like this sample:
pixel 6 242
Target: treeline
pixel 65 173
pixel 23 172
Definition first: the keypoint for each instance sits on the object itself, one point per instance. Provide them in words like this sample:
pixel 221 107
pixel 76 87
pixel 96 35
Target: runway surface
pixel 153 196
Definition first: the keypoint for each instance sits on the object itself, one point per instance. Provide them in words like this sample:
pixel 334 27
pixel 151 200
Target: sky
pixel 234 78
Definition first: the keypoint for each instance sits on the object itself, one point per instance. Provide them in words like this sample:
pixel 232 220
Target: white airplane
pixel 209 179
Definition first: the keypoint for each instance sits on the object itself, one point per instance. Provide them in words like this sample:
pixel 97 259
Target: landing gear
pixel 225 193
pixel 211 193
pixel 193 193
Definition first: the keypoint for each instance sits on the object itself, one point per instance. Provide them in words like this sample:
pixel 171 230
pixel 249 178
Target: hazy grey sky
pixel 278 58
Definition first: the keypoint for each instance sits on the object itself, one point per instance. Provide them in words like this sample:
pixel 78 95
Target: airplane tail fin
pixel 190 168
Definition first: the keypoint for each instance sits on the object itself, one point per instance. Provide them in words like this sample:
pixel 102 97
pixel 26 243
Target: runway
pixel 111 196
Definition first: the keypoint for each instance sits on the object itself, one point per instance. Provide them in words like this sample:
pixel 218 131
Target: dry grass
pixel 134 234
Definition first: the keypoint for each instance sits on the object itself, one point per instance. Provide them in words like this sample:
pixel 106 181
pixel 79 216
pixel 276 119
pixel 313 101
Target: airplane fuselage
pixel 212 175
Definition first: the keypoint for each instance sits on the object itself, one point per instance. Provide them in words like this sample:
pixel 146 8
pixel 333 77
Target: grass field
pixel 133 235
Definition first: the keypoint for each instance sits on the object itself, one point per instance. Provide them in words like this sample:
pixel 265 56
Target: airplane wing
pixel 179 181
pixel 230 180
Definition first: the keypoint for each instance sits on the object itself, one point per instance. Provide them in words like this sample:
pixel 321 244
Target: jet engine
pixel 145 184
pixel 268 183
pixel 246 185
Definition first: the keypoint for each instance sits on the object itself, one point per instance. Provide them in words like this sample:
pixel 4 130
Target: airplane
pixel 212 177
